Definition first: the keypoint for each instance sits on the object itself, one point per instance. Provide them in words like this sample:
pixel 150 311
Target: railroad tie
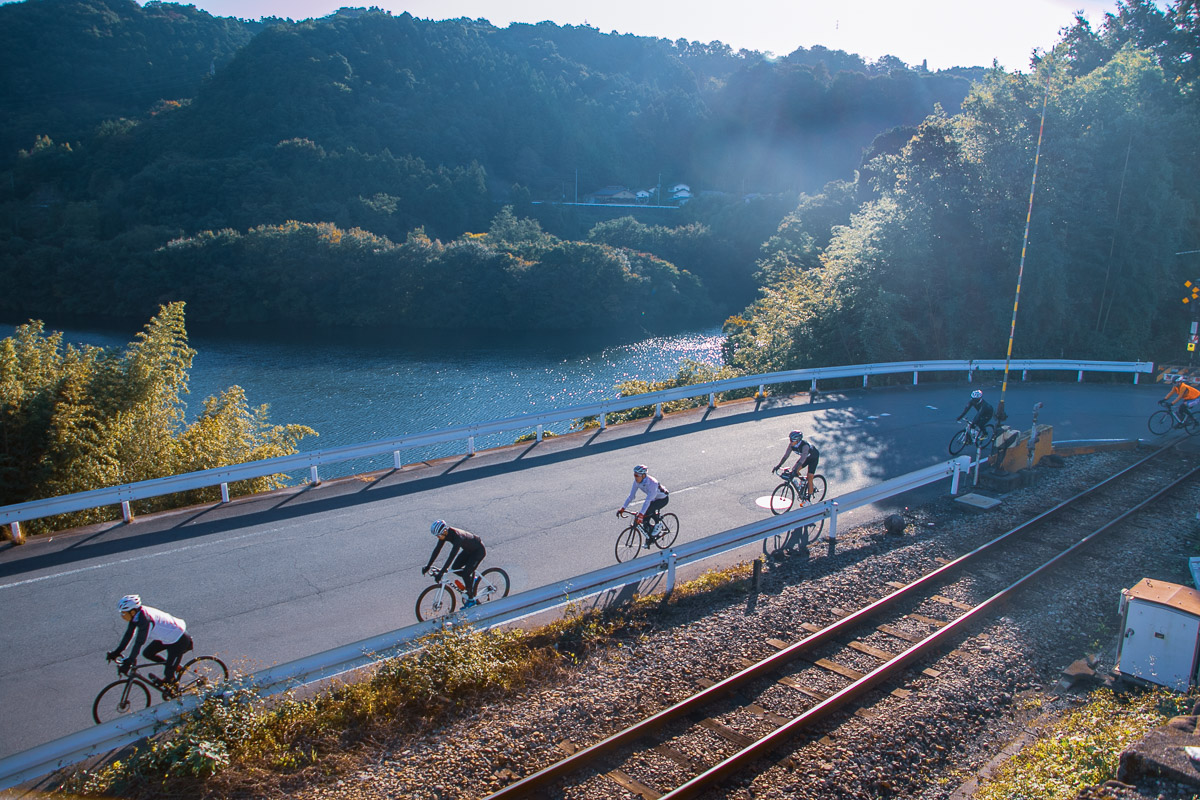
pixel 629 784
pixel 952 603
pixel 687 762
pixel 815 694
pixel 725 732
pixel 840 669
pixel 899 634
pixel 874 652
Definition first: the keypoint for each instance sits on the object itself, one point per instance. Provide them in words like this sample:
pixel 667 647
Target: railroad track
pixel 749 717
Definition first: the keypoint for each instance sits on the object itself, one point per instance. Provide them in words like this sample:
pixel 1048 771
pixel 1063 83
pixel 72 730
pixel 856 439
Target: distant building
pixel 643 195
pixel 610 194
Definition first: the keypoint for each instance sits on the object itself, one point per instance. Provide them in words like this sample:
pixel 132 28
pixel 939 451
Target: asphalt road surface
pixel 269 579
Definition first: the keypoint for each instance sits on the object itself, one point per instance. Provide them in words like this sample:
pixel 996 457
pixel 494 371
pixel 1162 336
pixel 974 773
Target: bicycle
pixel 131 693
pixel 449 592
pixel 793 487
pixel 633 539
pixel 1164 421
pixel 983 437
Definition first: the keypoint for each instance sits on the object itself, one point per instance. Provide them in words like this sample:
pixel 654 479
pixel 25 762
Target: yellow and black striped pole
pixel 1000 415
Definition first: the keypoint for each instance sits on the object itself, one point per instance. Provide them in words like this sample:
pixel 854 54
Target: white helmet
pixel 130 602
pixel 978 393
pixel 438 526
pixel 640 469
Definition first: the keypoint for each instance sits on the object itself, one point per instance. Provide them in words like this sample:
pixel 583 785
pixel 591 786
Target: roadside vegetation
pixel 1083 747
pixel 74 419
pixel 239 742
pixel 690 373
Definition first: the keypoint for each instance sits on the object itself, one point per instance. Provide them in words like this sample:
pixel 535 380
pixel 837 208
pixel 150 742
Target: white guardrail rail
pixel 13 515
pixel 76 747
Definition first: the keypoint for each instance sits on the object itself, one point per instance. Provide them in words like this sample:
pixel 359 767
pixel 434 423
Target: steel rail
pixel 546 776
pixel 882 673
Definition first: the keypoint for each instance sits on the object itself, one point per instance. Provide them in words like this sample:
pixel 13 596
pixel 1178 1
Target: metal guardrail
pixel 123 495
pixel 76 747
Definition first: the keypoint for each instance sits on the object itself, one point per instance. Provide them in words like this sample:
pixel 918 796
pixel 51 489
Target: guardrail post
pixel 126 512
pixel 224 492
pixel 396 459
pixel 470 445
pixel 761 394
pixel 539 434
pixel 813 388
pixel 670 571
pixel 1024 375
pixel 313 477
pixel 954 478
pixel 864 381
pixel 970 374
pixel 1135 379
pixel 915 373
pixel 833 515
pixel 1079 377
pixel 658 410
pixel 712 399
pixel 603 420
pixel 17 536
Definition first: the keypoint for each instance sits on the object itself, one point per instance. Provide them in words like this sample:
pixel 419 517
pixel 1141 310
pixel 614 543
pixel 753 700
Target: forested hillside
pixel 923 256
pixel 163 155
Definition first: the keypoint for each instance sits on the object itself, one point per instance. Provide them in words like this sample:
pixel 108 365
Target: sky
pixel 943 33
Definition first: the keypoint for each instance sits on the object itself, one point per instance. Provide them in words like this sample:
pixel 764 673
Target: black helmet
pixel 796 436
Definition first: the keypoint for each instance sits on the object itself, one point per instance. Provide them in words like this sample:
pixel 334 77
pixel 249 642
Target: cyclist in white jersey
pixel 164 632
pixel 656 498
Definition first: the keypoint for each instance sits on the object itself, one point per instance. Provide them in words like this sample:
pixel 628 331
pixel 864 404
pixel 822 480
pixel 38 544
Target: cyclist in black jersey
pixel 983 411
pixel 809 455
pixel 466 554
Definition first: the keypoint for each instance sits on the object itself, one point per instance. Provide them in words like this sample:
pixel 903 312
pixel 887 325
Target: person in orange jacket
pixel 1186 396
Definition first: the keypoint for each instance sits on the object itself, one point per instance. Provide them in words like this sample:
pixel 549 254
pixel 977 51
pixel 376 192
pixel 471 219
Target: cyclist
pixel 466 553
pixel 656 498
pixel 810 456
pixel 164 631
pixel 1187 397
pixel 983 410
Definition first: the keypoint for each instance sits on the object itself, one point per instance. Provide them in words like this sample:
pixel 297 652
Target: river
pixel 354 388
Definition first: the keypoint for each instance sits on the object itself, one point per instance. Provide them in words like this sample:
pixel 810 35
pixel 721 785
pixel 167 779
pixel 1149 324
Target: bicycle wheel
pixel 115 701
pixel 670 529
pixel 782 498
pixel 493 584
pixel 958 441
pixel 629 543
pixel 1191 425
pixel 1161 422
pixel 202 672
pixel 987 435
pixel 816 492
pixel 436 601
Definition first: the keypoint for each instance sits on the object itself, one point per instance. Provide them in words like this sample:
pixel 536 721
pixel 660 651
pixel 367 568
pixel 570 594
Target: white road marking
pixel 139 558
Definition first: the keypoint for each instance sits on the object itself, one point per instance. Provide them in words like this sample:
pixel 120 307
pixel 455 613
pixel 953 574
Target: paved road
pixel 270 579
